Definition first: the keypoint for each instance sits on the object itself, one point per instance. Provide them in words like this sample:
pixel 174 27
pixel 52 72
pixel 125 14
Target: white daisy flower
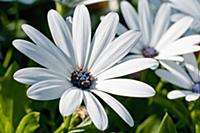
pixel 77 69
pixel 186 77
pixel 159 40
pixel 73 3
pixel 187 8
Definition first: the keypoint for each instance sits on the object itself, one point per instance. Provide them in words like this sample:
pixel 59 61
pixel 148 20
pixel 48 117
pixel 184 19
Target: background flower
pixel 186 77
pixel 159 40
pixel 187 8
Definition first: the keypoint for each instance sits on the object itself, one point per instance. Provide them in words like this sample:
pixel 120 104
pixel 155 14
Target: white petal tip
pixel 188 19
pixel 24 26
pixel 175 95
pixel 153 93
pixel 15 43
pixel 130 122
pixel 51 13
pixel 15 76
pixel 103 128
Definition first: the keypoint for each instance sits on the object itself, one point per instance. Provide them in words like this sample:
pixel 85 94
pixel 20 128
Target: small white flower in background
pixel 22 1
pixel 77 69
pixel 159 40
pixel 73 3
pixel 186 77
pixel 187 8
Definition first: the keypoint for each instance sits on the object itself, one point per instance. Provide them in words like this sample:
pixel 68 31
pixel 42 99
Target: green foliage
pixel 150 125
pixel 12 100
pixel 29 123
pixel 167 125
pixel 153 124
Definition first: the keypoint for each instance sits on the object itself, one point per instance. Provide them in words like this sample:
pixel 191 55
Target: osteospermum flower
pixel 187 8
pixel 186 77
pixel 159 40
pixel 73 3
pixel 77 69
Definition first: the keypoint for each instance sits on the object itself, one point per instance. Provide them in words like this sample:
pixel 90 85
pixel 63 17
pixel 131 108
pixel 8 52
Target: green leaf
pixel 195 118
pixel 29 123
pixel 5 123
pixel 150 125
pixel 12 96
pixel 167 125
pixel 197 128
pixel 171 106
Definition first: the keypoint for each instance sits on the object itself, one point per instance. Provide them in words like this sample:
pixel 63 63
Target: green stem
pixel 7 58
pixel 198 58
pixel 64 127
pixel 159 85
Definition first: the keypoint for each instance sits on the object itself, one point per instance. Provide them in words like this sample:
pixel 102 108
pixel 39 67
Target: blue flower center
pixel 196 87
pixel 81 79
pixel 149 52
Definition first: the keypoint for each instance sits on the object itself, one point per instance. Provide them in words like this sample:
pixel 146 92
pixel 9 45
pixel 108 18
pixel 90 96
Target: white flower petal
pixel 41 56
pixel 40 40
pixel 95 111
pixel 189 7
pixel 61 33
pixel 173 79
pixel 88 2
pixel 33 75
pixel 130 15
pixel 128 67
pixel 105 33
pixel 70 101
pixel 192 66
pixel 116 106
pixel 192 97
pixel 81 32
pixel 161 23
pixel 69 21
pixel 145 19
pixel 48 89
pixel 130 57
pixel 170 58
pixel 125 87
pixel 182 46
pixel 177 94
pixel 178 72
pixel 174 32
pixel 115 51
pixel 177 16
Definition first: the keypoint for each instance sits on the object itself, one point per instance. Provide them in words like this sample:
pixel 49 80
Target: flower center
pixel 81 78
pixel 196 87
pixel 149 52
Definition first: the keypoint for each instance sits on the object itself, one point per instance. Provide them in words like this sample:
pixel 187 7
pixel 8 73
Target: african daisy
pixel 186 77
pixel 159 40
pixel 77 69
